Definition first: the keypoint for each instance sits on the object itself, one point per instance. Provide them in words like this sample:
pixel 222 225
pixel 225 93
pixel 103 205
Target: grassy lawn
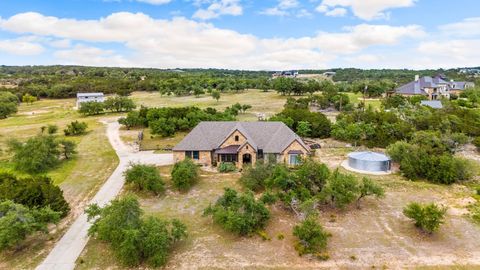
pixel 358 97
pixel 79 178
pixel 376 236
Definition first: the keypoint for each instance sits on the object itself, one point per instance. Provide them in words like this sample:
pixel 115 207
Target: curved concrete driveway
pixel 69 247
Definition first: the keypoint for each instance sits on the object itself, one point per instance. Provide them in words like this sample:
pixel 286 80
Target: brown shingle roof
pixel 272 137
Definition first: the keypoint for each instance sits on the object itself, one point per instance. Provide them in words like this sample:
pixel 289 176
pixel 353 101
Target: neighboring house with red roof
pixel 433 88
pixel 242 143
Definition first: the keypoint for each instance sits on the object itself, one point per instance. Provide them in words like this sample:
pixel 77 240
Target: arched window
pixel 237 138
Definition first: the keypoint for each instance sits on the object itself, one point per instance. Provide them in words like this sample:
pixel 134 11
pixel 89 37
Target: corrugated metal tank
pixel 369 161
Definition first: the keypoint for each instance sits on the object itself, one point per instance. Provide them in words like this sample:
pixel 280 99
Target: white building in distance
pixel 86 97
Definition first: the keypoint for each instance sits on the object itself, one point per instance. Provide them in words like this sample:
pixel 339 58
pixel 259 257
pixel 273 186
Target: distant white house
pixel 86 97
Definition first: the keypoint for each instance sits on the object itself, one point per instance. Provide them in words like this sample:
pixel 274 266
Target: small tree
pixel 75 128
pixel 216 95
pixel 369 188
pixel 427 217
pixel 36 155
pixel 67 148
pixel 341 189
pixel 184 174
pixel 240 214
pixel 254 177
pixel 18 221
pixel 145 177
pixel 312 238
pixel 52 129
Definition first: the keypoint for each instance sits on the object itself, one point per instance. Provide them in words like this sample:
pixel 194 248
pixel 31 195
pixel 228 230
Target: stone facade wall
pixel 205 157
pixel 295 146
pixel 231 139
pixel 246 149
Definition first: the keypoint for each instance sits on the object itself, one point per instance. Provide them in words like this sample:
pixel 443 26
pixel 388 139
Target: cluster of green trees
pixel 33 192
pixel 371 127
pixel 8 104
pixel 134 239
pixel 112 104
pixel 40 153
pixel 167 121
pixel 28 205
pixel 300 119
pixel 18 221
pixel 429 155
pixel 66 81
pixel 310 181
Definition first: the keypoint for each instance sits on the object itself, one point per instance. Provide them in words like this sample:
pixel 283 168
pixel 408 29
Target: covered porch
pixel 231 154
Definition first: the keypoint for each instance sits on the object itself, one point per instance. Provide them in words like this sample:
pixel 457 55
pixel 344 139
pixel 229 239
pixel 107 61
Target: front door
pixel 247 159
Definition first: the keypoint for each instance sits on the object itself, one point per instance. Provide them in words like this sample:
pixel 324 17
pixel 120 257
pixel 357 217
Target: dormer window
pixel 237 138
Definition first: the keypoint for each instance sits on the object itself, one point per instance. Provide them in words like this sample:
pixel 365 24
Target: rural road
pixel 69 247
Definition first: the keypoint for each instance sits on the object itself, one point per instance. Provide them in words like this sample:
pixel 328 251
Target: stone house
pixel 241 143
pixel 434 88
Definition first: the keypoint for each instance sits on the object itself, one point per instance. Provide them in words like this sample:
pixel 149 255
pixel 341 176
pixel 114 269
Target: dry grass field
pixel 375 236
pixel 79 178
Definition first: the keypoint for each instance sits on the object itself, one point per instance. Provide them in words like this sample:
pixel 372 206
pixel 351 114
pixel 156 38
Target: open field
pixel 377 235
pixel 79 178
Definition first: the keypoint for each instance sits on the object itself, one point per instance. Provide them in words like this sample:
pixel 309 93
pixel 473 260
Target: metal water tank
pixel 369 161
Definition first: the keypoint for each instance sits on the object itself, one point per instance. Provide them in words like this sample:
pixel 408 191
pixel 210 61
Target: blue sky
pixel 241 34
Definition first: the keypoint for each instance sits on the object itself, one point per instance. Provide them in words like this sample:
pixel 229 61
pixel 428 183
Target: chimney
pixel 417 78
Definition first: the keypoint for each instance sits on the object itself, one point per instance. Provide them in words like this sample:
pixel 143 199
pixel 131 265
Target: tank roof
pixel 369 156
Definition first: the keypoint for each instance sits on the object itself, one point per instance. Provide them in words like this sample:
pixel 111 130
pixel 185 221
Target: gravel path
pixel 69 247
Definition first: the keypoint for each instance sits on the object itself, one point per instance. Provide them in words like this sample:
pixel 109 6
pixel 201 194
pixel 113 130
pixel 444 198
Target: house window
pixel 293 159
pixel 260 154
pixel 188 154
pixel 196 155
pixel 237 138
pixel 229 157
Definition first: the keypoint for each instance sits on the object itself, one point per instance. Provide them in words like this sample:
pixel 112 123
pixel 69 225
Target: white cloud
pixel 286 8
pixel 336 12
pixel 155 2
pixel 218 8
pixel 365 9
pixel 469 27
pixel 86 55
pixel 181 42
pixel 20 47
pixel 461 52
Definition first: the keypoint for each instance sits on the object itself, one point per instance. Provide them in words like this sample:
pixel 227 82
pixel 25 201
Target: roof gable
pixel 272 137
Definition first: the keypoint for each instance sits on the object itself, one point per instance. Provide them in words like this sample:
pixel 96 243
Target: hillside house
pixel 86 97
pixel 242 143
pixel 433 88
pixel 285 74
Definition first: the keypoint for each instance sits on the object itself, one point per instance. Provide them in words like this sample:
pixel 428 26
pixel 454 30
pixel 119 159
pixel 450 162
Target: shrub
pixel 52 129
pixel 75 128
pixel 312 238
pixel 225 167
pixel 238 213
pixel 134 240
pixel 145 177
pixel 33 192
pixel 254 177
pixel 184 174
pixel 312 175
pixel 18 221
pixel 427 217
pixel 8 104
